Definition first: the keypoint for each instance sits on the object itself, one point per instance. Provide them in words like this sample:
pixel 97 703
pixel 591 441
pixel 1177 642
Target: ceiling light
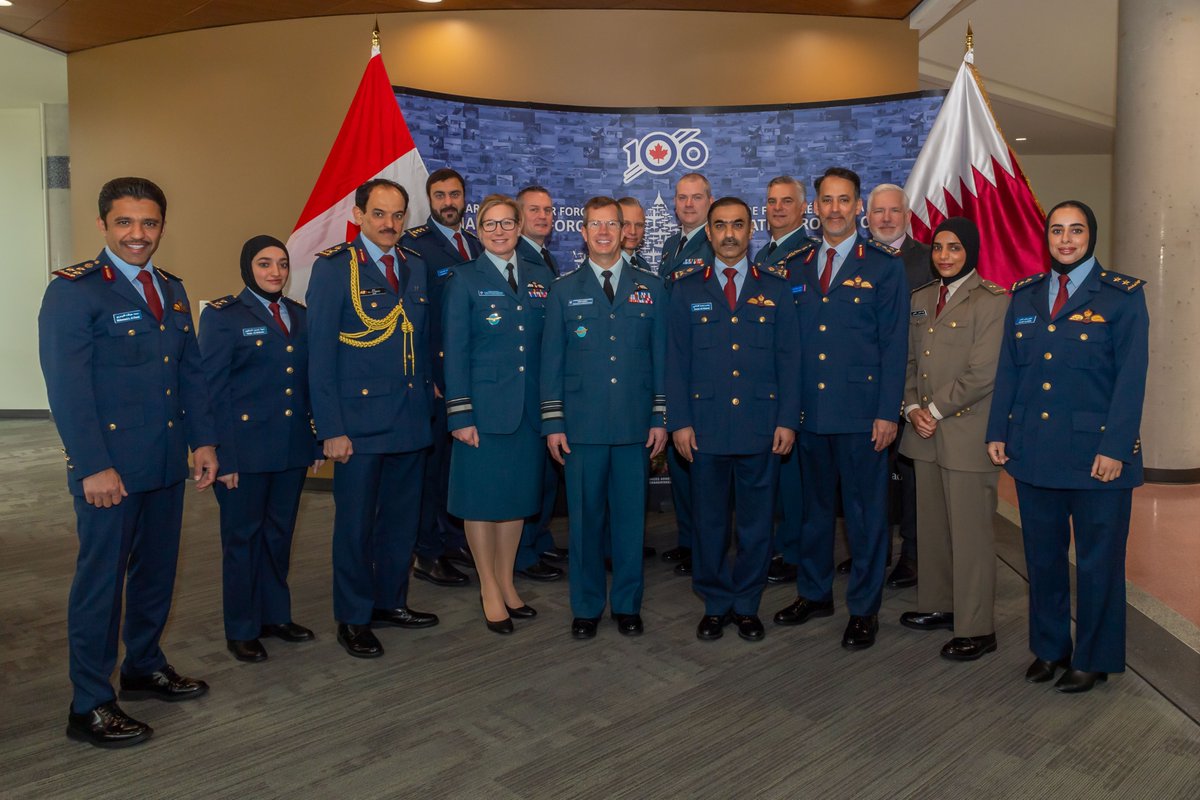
pixel 429 1
pixel 9 2
pixel 1021 139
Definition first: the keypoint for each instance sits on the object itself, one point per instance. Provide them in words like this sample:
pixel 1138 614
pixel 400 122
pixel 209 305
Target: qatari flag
pixel 966 169
pixel 374 142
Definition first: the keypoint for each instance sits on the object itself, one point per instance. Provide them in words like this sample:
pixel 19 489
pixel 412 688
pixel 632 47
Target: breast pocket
pixel 857 307
pixel 127 344
pixel 761 321
pixel 495 316
pixel 1088 347
pixel 704 332
pixel 1026 344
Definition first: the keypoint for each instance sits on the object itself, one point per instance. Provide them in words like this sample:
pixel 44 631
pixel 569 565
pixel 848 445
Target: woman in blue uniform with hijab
pixel 494 310
pixel 255 348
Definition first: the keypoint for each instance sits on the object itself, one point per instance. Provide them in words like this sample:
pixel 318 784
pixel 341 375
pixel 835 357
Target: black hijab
pixel 968 234
pixel 1055 264
pixel 252 248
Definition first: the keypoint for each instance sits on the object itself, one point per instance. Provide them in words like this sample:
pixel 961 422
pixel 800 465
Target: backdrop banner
pixel 579 152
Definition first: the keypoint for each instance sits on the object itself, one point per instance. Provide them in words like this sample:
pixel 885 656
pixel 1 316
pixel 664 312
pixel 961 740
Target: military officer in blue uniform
pixel 853 304
pixel 733 410
pixel 1064 423
pixel 787 249
pixel 603 400
pixel 255 348
pixel 690 246
pixel 371 381
pixel 443 242
pixel 633 232
pixel 494 313
pixel 127 392
pixel 537 544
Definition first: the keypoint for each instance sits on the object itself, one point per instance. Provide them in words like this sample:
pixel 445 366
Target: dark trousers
pixel 377 507
pixel 1101 525
pixel 790 507
pixel 680 473
pixel 749 481
pixel 257 522
pixel 606 488
pixel 130 549
pixel 535 536
pixel 904 500
pixel 439 531
pixel 864 479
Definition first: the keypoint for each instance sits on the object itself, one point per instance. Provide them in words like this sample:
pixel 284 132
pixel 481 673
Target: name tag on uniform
pixel 443 272
pixel 1026 320
pixel 370 292
pixel 259 331
pixel 920 312
pixel 799 288
pixel 127 316
pixel 490 293
pixel 580 301
pixel 701 306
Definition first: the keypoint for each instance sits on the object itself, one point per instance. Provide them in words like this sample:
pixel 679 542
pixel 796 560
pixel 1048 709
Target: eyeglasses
pixel 599 224
pixel 503 224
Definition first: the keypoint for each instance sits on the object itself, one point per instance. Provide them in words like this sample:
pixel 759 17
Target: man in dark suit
pixel 126 388
pixel 443 243
pixel 537 544
pixel 633 232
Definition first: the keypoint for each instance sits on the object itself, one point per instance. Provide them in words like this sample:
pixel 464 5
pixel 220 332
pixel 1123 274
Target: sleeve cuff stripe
pixel 549 415
pixel 459 410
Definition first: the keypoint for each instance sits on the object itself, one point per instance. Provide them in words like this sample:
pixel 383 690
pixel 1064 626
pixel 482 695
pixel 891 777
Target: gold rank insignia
pixel 1116 279
pixel 333 251
pixel 857 282
pixel 1086 317
pixel 1032 279
pixel 778 270
pixel 760 301
pixel 881 247
pixel 79 270
pixel 417 232
pixel 223 302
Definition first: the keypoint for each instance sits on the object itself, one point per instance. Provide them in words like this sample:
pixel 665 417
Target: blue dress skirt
pixel 501 479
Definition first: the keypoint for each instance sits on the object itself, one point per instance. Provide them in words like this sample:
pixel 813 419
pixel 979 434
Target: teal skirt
pixel 499 480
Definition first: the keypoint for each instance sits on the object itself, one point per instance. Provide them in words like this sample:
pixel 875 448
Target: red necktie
pixel 941 301
pixel 1060 299
pixel 152 298
pixel 462 251
pixel 827 273
pixel 730 288
pixel 279 318
pixel 389 263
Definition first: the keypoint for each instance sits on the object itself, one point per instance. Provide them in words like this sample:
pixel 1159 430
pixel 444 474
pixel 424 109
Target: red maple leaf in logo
pixel 658 153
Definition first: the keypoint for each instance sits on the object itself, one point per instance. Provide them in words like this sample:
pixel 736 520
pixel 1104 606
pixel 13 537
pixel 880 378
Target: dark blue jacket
pixel 697 247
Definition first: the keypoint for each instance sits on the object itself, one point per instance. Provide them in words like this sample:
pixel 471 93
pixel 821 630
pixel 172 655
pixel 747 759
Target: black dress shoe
pixel 503 627
pixel 1042 671
pixel 712 626
pixel 648 552
pixel 969 648
pixel 288 631
pixel 629 624
pixel 541 571
pixel 928 620
pixel 904 575
pixel 584 627
pixel 438 571
pixel 555 555
pixel 461 556
pixel 844 567
pixel 250 650
pixel 802 610
pixel 676 554
pixel 165 684
pixel 780 571
pixel 107 725
pixel 684 567
pixel 359 641
pixel 403 617
pixel 749 627
pixel 524 612
pixel 1074 681
pixel 860 632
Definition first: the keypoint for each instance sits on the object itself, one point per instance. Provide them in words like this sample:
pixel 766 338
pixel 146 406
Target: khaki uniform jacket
pixel 952 362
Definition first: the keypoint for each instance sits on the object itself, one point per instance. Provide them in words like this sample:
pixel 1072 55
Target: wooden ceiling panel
pixel 71 25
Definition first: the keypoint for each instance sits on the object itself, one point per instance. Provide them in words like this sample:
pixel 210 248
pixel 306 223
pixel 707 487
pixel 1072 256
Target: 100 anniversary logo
pixel 660 152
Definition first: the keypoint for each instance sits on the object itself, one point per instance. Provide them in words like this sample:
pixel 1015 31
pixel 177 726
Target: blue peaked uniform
pixel 603 386
pixel 1067 389
pixel 680 471
pixel 493 342
pixel 855 356
pixel 731 376
pixel 439 531
pixel 789 254
pixel 264 424
pixel 127 392
pixel 639 262
pixel 383 401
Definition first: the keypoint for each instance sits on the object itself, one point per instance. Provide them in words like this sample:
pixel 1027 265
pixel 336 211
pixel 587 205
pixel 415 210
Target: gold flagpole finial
pixel 375 35
pixel 970 39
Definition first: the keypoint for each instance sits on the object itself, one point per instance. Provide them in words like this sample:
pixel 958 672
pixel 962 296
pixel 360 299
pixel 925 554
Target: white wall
pixel 1086 178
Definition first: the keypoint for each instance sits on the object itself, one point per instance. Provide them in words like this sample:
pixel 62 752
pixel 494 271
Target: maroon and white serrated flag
pixel 966 169
pixel 373 142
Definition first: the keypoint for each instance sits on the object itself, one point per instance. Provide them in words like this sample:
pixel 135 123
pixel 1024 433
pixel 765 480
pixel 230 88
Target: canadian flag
pixel 374 142
pixel 966 169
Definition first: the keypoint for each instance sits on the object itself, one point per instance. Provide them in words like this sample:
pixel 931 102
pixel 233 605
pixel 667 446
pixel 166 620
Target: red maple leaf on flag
pixel 658 152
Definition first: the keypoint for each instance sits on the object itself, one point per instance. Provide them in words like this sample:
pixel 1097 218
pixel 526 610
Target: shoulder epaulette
pixel 417 232
pixel 1116 280
pixel 167 276
pixel 778 270
pixel 77 271
pixel 809 244
pixel 466 232
pixel 416 253
pixel 333 251
pixel 994 288
pixel 296 303
pixel 687 267
pixel 1028 281
pixel 930 283
pixel 883 248
pixel 223 302
pixel 642 270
